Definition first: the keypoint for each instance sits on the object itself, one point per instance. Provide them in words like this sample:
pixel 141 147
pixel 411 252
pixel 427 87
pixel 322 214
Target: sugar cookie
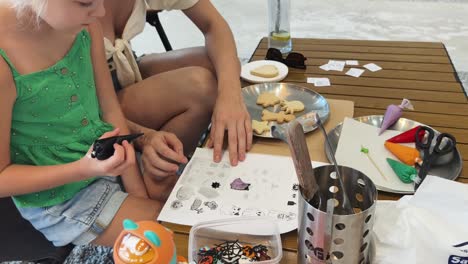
pixel 265 71
pixel 291 107
pixel 260 126
pixel 278 117
pixel 267 99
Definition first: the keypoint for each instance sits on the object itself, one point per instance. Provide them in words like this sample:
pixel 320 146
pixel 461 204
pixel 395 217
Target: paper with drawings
pixel 355 134
pixel 325 67
pixel 204 193
pixel 319 82
pixel 352 62
pixel 334 65
pixel 372 67
pixel 355 72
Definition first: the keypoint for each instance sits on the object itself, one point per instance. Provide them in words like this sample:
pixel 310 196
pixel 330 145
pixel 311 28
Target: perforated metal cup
pixel 344 238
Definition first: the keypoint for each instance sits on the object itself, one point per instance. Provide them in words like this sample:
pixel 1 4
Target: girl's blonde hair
pixel 37 7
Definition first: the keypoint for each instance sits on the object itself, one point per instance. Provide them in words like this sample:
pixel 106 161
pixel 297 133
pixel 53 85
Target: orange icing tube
pixel 406 154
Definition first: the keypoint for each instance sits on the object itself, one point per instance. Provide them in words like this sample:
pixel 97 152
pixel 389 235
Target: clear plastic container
pixel 250 231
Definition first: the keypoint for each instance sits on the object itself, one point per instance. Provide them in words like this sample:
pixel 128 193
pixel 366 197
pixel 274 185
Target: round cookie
pixel 265 71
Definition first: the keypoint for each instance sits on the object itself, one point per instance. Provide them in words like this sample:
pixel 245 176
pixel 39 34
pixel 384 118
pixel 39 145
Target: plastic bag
pixel 429 227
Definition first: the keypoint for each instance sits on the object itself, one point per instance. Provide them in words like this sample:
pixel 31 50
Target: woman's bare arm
pixel 230 112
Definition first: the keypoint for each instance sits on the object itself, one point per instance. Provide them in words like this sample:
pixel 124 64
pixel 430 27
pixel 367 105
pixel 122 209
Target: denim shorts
pixel 81 219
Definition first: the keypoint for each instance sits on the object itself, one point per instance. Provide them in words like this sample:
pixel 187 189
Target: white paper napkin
pixel 429 227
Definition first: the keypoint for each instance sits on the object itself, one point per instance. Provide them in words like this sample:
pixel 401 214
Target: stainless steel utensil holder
pixel 347 237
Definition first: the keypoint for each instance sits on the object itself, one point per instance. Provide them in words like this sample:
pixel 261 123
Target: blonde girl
pixel 56 99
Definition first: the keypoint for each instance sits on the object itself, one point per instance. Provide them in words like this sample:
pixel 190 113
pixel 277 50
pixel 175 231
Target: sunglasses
pixel 293 60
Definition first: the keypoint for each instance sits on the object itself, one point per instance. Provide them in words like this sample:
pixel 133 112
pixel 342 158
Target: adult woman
pixel 178 91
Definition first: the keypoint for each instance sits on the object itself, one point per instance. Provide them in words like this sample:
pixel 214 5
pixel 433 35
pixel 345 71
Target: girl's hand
pixel 162 154
pixel 123 158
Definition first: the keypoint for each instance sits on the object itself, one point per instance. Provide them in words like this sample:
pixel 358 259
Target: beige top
pixel 121 52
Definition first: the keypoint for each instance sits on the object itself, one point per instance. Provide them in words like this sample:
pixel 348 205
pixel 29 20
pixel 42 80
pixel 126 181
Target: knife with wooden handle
pixel 301 159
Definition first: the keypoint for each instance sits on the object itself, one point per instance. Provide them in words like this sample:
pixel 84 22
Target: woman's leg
pixel 179 101
pixel 177 95
pixel 153 64
pixel 134 208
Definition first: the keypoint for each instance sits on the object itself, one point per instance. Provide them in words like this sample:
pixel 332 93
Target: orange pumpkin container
pixel 144 242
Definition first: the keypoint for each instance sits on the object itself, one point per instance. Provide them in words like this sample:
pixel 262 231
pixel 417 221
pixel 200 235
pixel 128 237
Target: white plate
pixel 450 170
pixel 245 72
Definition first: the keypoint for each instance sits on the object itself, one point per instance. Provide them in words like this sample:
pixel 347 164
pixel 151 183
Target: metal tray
pixel 313 102
pixel 448 171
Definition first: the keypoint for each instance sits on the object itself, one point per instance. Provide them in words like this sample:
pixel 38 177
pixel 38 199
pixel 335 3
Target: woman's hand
pixel 122 159
pixel 162 154
pixel 230 113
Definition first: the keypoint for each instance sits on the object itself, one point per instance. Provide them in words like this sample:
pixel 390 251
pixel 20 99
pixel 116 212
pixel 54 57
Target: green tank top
pixel 56 118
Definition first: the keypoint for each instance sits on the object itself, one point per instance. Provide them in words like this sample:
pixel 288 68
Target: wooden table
pixel 419 71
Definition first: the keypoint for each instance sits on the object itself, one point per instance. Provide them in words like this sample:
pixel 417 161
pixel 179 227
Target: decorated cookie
pixel 267 99
pixel 280 117
pixel 265 71
pixel 291 107
pixel 260 126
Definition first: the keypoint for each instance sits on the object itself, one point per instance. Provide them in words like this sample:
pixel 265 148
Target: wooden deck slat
pixel 361 49
pixel 433 120
pixel 382 103
pixel 366 43
pixel 460 134
pixel 463 148
pixel 385 83
pixel 369 56
pixel 404 66
pixel 373 43
pixel 464 173
pixel 387 74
